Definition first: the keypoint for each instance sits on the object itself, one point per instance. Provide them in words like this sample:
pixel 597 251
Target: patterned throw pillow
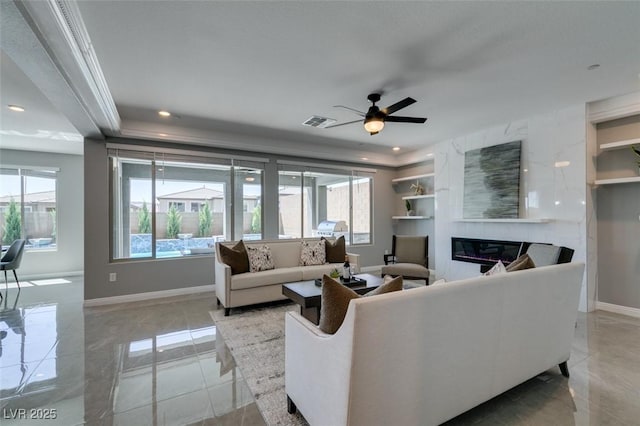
pixel 498 268
pixel 335 300
pixel 312 253
pixel 260 258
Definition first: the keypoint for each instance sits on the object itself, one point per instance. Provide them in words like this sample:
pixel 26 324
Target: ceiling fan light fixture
pixel 373 125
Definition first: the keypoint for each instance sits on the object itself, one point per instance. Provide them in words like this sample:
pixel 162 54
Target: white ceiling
pixel 259 69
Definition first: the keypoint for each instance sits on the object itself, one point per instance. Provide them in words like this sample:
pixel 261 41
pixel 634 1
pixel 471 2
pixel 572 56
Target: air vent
pixel 317 121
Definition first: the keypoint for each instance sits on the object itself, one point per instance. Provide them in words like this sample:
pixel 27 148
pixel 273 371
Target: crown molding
pixel 60 28
pixel 614 108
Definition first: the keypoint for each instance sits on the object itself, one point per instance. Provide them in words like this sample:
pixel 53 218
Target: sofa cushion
pixel 312 253
pixel 336 251
pixel 269 277
pixel 260 258
pixel 544 254
pixel 336 298
pixel 286 254
pixel 521 263
pixel 236 257
pixel 406 269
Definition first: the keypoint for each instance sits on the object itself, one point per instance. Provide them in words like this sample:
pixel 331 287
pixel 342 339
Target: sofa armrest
pixel 354 261
pixel 222 282
pixel 318 370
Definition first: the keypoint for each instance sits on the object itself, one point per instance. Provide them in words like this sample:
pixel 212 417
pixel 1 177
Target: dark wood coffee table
pixel 308 295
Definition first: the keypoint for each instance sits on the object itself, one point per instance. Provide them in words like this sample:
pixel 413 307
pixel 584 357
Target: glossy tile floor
pixel 148 363
pixel 161 362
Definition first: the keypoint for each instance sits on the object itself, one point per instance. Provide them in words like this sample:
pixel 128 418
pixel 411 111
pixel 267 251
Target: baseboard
pixel 618 309
pixel 137 297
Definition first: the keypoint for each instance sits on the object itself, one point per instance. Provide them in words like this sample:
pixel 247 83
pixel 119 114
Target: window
pixel 248 221
pixel 309 198
pixel 28 207
pixel 166 206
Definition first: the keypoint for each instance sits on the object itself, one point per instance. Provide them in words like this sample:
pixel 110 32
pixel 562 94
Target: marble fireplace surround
pixel 553 189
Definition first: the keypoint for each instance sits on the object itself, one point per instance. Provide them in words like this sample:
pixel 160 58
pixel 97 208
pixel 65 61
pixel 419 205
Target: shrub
pixel 12 229
pixel 144 221
pixel 204 221
pixel 173 222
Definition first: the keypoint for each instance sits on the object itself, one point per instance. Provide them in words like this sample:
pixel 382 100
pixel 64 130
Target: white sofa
pixel 266 286
pixel 425 355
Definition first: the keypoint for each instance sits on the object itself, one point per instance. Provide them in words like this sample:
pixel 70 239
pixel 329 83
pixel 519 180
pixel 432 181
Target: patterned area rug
pixel 255 337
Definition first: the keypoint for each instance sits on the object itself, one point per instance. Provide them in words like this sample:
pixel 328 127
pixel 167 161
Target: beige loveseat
pixel 266 286
pixel 425 355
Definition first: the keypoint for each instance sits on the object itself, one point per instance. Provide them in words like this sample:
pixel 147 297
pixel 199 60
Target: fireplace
pixel 486 252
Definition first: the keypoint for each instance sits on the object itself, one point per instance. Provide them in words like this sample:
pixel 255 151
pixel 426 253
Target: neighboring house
pixel 38 221
pixel 192 200
pixel 44 201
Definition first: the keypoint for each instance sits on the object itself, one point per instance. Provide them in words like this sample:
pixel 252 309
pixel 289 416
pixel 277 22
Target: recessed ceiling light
pixel 593 67
pixel 164 113
pixel 16 108
pixel 396 148
pixel 364 158
pixel 560 164
pixel 249 179
pixel 163 135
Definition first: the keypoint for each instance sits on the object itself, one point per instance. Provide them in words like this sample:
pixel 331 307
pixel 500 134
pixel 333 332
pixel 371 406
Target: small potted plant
pixel 637 152
pixel 334 273
pixel 407 205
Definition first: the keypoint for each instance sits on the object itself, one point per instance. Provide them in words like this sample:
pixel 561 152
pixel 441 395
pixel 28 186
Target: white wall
pixel 547 191
pixel 69 256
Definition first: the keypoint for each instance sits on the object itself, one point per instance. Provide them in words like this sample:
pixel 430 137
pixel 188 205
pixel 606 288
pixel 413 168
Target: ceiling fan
pixel 375 117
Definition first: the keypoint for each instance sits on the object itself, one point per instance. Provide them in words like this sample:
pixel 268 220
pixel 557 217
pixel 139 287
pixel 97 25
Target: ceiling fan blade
pixel 399 105
pixel 360 113
pixel 397 119
pixel 343 124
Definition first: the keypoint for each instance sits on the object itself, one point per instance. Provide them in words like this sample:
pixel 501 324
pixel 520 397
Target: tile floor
pixel 161 362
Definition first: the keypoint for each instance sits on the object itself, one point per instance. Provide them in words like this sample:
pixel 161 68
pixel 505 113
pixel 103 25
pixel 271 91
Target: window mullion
pixel 153 209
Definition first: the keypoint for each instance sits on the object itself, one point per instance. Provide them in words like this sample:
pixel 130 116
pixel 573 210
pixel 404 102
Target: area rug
pixel 255 338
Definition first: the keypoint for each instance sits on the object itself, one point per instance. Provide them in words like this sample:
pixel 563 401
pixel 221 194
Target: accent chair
pixel 409 258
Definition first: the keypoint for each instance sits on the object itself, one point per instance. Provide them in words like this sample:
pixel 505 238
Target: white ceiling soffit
pixel 40 127
pixel 48 43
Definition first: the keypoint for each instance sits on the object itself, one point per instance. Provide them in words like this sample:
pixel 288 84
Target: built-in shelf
pixel 417 197
pixel 410 217
pixel 617 180
pixel 522 220
pixel 619 144
pixel 416 177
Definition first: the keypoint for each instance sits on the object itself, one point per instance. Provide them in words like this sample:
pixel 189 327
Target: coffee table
pixel 308 295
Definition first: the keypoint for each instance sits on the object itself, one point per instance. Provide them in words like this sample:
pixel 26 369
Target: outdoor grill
pixel 332 228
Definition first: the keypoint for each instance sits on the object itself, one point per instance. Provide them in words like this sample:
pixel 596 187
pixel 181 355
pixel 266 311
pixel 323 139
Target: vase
pixel 411 213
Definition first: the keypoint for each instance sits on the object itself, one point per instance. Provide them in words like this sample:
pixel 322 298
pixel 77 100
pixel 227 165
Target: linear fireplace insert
pixel 486 252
